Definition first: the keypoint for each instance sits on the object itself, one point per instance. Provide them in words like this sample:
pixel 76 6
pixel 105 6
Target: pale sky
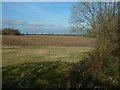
pixel 37 17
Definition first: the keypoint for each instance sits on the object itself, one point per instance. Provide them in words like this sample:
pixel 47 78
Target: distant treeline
pixel 10 31
pixel 52 34
pixel 89 34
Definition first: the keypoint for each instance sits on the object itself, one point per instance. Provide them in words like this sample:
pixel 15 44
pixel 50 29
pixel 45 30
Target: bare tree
pixel 100 17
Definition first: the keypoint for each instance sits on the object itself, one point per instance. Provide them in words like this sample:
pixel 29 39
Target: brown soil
pixel 46 40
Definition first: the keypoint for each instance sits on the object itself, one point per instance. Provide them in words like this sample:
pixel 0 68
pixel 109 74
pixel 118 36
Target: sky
pixel 37 17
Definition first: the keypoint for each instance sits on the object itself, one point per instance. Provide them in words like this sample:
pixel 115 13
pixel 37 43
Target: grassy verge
pixel 35 75
pixel 39 66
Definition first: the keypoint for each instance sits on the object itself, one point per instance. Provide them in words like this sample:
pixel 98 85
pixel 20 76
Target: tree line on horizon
pixel 12 31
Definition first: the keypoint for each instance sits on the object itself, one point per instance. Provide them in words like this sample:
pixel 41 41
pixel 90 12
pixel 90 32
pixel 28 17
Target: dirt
pixel 46 40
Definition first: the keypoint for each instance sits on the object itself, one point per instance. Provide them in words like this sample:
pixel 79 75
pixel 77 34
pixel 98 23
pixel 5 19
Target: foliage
pixel 89 73
pixel 102 18
pixel 10 31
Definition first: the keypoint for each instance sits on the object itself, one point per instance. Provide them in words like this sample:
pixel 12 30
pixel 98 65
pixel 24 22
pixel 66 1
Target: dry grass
pixel 34 61
pixel 46 40
pixel 44 53
pixel 39 67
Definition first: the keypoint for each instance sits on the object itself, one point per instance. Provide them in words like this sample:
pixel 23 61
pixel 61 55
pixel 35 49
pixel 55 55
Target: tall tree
pixel 100 17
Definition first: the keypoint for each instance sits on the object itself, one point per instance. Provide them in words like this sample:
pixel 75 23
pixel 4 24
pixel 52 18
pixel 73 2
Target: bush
pixel 91 73
pixel 101 69
pixel 10 31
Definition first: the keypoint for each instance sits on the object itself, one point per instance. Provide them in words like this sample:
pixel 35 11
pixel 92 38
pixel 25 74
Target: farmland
pixel 41 61
pixel 46 40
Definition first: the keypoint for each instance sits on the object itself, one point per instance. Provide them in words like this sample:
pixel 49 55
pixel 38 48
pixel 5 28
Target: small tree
pixel 10 31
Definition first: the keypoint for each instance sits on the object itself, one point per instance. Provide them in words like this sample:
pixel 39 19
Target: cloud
pixel 35 24
pixel 34 27
pixel 16 22
pixel 6 21
pixel 45 29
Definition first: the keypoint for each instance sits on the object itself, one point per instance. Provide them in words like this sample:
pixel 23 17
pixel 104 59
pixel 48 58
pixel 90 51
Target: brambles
pixel 103 19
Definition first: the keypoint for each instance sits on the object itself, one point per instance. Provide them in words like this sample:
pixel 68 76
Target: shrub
pixel 10 31
pixel 91 73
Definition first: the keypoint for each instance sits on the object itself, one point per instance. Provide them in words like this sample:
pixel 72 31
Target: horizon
pixel 37 17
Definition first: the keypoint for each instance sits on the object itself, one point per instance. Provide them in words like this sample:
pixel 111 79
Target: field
pixel 46 40
pixel 39 66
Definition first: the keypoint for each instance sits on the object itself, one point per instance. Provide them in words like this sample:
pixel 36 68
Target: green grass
pixel 39 66
pixel 44 74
